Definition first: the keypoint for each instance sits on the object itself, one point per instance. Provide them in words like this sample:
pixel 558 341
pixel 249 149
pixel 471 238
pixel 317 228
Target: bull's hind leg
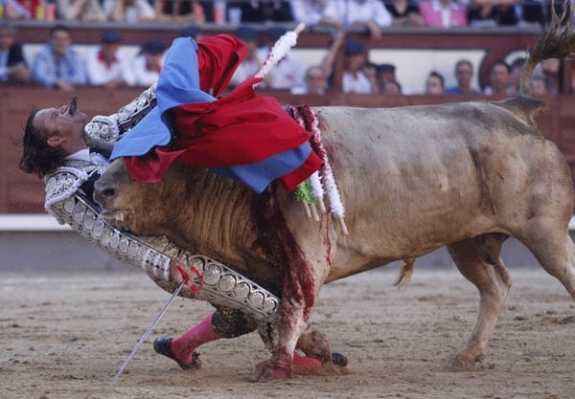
pixel 554 250
pixel 479 261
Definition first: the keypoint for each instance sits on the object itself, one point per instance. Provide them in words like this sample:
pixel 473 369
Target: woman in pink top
pixel 443 13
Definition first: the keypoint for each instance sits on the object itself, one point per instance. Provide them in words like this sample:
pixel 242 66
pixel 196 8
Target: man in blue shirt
pixel 58 65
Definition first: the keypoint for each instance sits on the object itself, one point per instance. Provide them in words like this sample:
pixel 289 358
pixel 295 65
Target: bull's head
pixel 126 202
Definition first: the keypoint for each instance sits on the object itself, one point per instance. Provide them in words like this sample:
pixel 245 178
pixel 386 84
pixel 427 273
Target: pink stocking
pixel 201 333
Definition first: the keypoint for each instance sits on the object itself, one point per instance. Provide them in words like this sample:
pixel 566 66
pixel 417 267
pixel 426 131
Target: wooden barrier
pixel 22 193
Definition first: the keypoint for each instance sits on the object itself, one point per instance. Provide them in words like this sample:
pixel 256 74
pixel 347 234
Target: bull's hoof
pixel 163 346
pixel 271 371
pixel 338 359
pixel 462 363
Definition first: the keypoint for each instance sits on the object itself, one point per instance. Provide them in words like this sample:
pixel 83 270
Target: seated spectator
pixel 130 11
pixel 57 65
pixel 463 75
pixel 370 70
pixel 106 65
pixel 13 66
pixel 550 70
pixel 492 12
pixel 289 71
pixel 184 11
pixel 531 12
pixel 25 9
pixel 317 77
pixel 315 82
pixel 404 12
pixel 15 11
pixel 145 68
pixel 500 80
pixel 81 10
pixel 312 12
pixel 392 88
pixel 353 79
pixel 266 11
pixel 385 73
pixel 253 59
pixel 435 83
pixel 538 86
pixel 443 13
pixel 370 14
pixel 516 69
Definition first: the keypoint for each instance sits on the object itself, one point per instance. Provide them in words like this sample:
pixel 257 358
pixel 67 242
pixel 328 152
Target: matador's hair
pixel 38 157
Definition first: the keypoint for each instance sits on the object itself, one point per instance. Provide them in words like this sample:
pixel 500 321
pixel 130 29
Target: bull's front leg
pixel 290 326
pixel 301 283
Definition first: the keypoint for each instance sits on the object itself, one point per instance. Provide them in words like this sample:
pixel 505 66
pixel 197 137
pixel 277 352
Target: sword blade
pixel 148 331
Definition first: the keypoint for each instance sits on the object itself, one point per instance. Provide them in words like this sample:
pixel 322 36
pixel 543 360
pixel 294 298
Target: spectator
pixel 24 9
pixel 14 11
pixel 463 75
pixel 404 12
pixel 312 12
pixel 105 65
pixel 315 82
pixel 187 11
pixel 392 88
pixel 370 14
pixel 57 65
pixel 289 71
pixel 538 86
pixel 443 13
pixel 385 73
pixel 531 12
pixel 13 66
pixel 550 70
pixel 146 67
pixel 81 10
pixel 130 11
pixel 435 83
pixel 370 70
pixel 266 11
pixel 499 80
pixel 492 13
pixel 354 80
pixel 253 59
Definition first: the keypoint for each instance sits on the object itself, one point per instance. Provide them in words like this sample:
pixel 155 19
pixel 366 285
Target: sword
pixel 148 331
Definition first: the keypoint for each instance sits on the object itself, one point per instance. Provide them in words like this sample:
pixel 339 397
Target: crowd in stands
pixel 58 65
pixel 372 15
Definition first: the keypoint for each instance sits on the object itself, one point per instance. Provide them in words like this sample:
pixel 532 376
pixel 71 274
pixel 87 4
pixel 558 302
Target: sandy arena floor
pixel 65 336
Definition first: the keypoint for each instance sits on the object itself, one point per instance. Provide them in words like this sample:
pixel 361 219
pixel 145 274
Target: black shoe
pixel 337 359
pixel 163 345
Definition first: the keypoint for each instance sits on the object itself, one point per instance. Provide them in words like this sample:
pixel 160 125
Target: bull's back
pixel 416 178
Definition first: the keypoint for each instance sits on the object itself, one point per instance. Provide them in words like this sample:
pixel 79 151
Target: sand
pixel 64 336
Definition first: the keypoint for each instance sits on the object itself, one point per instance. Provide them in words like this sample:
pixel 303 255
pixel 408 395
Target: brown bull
pixel 412 179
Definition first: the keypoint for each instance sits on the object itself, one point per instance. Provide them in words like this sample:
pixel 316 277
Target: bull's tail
pixel 556 41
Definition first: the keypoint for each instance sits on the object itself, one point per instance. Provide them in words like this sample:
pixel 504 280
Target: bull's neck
pixel 214 217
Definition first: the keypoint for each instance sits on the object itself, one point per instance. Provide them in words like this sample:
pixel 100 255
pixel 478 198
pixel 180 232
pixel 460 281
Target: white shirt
pixel 288 73
pixel 92 158
pixel 351 11
pixel 139 75
pixel 100 73
pixel 356 83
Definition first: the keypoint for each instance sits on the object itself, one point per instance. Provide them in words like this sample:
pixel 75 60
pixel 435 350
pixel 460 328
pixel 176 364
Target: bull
pixel 413 179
